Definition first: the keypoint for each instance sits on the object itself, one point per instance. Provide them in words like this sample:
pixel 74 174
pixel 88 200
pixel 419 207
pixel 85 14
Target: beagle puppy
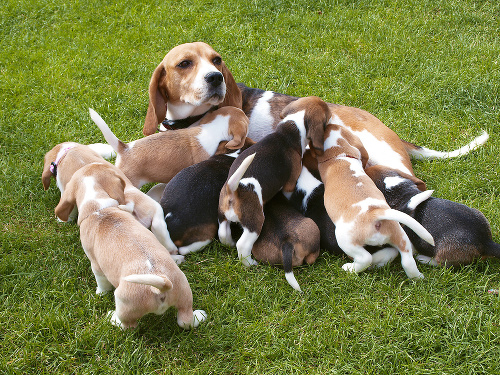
pixel 358 209
pixel 384 147
pixel 288 238
pixel 123 254
pixel 191 80
pixel 167 153
pixel 462 234
pixel 190 202
pixel 65 159
pixel 271 165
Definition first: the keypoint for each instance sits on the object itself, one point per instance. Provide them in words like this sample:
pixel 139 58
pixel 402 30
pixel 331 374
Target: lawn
pixel 428 69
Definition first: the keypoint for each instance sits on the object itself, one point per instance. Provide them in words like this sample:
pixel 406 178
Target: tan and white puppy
pixel 65 159
pixel 159 157
pixel 384 147
pixel 123 254
pixel 191 80
pixel 264 169
pixel 358 209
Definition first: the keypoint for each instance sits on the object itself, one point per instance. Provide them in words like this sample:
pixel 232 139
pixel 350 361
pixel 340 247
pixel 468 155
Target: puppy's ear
pixel 157 109
pixel 316 121
pixel 238 128
pixel 233 94
pixel 47 173
pixel 420 184
pixel 115 188
pixel 68 201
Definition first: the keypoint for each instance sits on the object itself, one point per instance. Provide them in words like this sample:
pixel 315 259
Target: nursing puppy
pixel 167 153
pixel 123 254
pixel 357 208
pixel 308 198
pixel 64 159
pixel 287 238
pixel 384 147
pixel 271 165
pixel 191 80
pixel 461 234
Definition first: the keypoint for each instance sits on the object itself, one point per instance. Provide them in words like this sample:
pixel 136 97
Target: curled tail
pixel 410 222
pixel 113 141
pixel 162 283
pixel 419 152
pixel 287 251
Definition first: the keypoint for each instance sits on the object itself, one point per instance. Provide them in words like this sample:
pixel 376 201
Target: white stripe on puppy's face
pixel 298 118
pixel 92 195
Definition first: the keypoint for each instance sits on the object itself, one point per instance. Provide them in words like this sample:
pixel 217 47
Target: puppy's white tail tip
pixel 161 283
pixel 290 277
pixel 425 153
pixel 410 222
pixel 106 131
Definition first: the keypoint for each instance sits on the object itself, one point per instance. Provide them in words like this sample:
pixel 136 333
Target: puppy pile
pixel 277 177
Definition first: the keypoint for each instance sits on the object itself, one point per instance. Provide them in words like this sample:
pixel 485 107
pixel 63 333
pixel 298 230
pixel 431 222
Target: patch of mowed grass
pixel 429 70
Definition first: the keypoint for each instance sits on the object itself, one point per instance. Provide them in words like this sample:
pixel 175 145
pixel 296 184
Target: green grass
pixel 428 69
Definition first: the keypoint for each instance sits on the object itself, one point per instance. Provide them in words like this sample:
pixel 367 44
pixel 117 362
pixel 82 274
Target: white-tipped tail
pixel 425 153
pixel 419 198
pixel 410 222
pixel 290 277
pixel 159 282
pixel 234 180
pixel 106 131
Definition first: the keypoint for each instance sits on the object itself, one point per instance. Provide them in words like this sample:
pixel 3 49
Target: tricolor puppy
pixel 358 209
pixel 288 238
pixel 123 254
pixel 64 159
pixel 462 234
pixel 383 145
pixel 191 80
pixel 308 198
pixel 159 157
pixel 271 165
pixel 190 202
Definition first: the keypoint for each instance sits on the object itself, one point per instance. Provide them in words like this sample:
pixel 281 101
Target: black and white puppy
pixel 462 234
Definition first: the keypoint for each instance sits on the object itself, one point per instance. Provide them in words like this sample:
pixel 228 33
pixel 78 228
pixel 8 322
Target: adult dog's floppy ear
pixel 233 94
pixel 157 109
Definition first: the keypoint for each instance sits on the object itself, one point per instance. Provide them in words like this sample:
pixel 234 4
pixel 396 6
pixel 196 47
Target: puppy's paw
pixel 113 318
pixel 349 267
pixel 101 291
pixel 427 260
pixel 199 316
pixel 178 259
pixel 248 261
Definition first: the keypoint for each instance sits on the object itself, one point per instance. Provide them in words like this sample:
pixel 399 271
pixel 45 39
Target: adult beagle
pixel 159 157
pixel 191 80
pixel 65 159
pixel 384 147
pixel 462 234
pixel 358 209
pixel 269 166
pixel 123 254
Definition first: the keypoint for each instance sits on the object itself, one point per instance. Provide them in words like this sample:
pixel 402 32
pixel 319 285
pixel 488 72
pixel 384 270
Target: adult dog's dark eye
pixel 217 60
pixel 185 64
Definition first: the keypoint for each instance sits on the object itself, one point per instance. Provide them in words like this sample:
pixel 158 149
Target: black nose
pixel 214 78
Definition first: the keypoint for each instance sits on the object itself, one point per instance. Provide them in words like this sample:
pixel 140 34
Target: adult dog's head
pixel 191 80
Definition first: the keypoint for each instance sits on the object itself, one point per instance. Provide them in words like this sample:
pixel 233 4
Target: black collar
pixel 181 123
